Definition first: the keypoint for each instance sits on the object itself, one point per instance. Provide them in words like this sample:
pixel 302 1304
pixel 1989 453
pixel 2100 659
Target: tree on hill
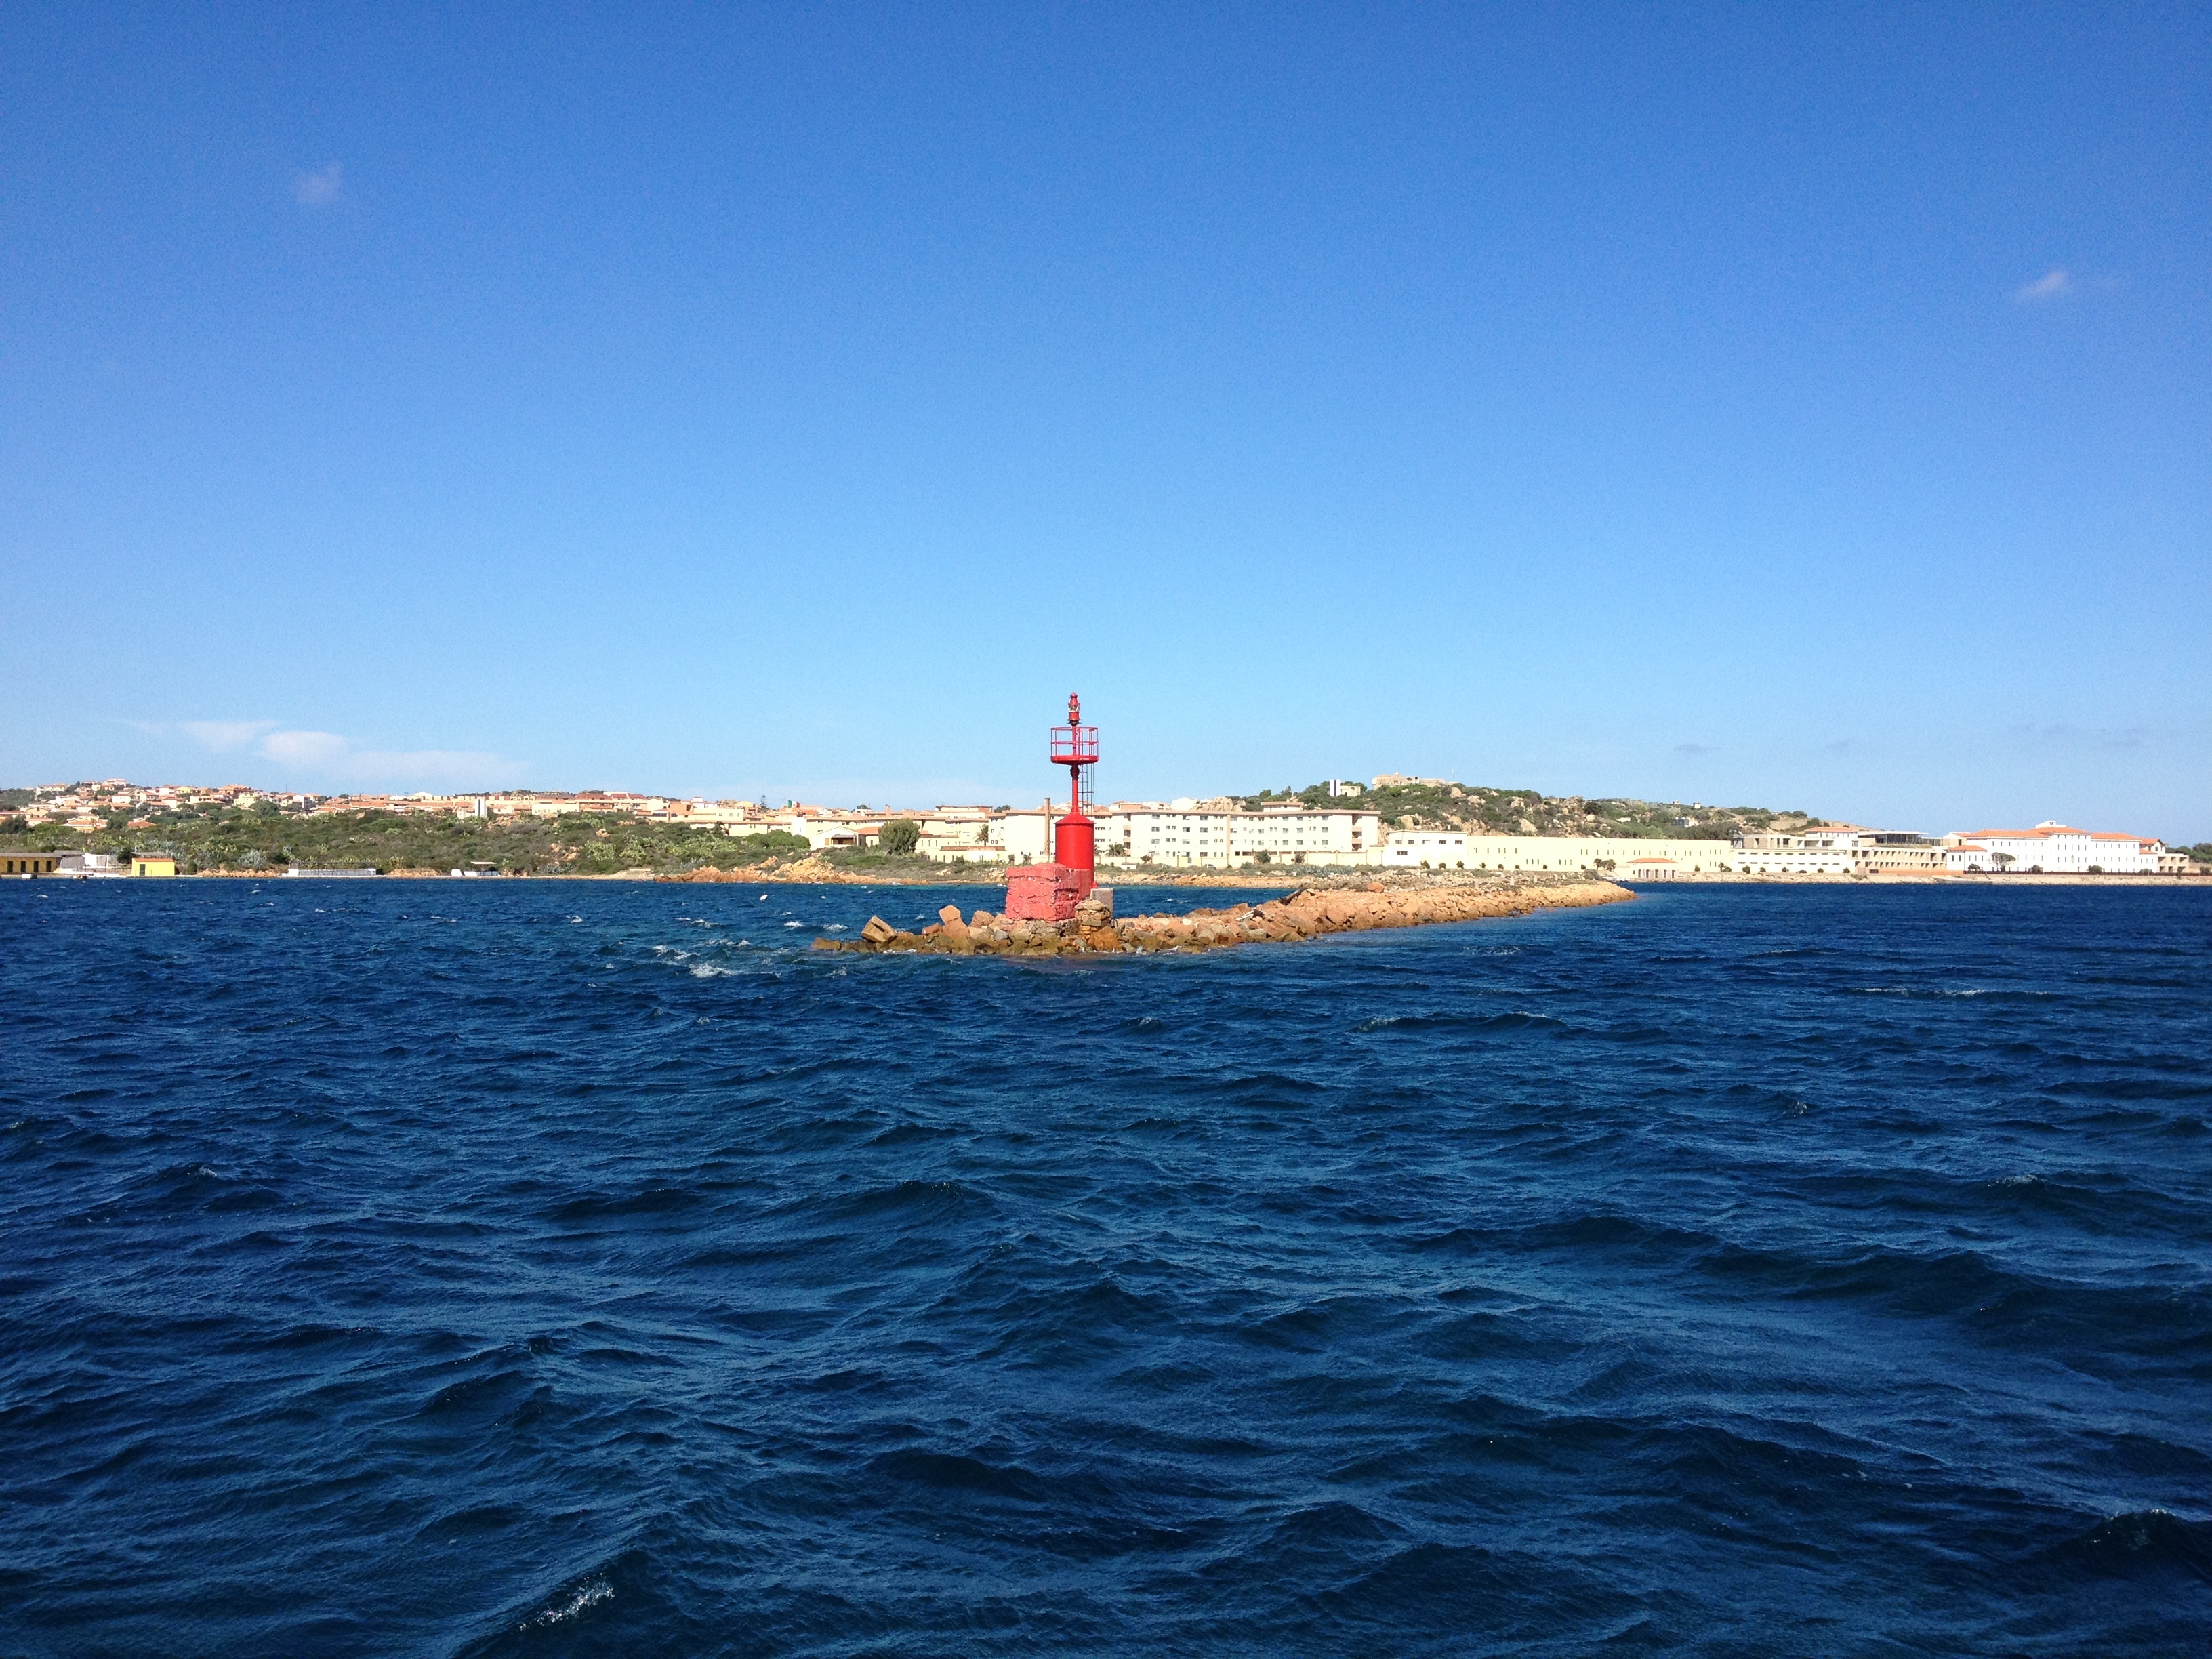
pixel 900 837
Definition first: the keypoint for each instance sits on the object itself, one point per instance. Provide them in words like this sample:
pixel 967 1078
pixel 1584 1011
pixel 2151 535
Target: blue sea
pixel 521 1269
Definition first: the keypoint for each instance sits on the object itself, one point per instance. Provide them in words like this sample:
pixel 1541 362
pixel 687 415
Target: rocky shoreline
pixel 1309 914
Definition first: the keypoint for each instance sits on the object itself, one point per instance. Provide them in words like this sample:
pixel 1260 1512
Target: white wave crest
pixel 567 1605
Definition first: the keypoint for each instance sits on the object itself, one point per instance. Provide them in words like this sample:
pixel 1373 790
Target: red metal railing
pixel 1074 745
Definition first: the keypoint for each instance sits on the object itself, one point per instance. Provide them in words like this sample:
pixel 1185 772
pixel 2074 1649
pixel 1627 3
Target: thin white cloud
pixel 316 189
pixel 317 751
pixel 224 734
pixel 911 793
pixel 2053 284
pixel 329 757
pixel 423 767
pixel 2085 736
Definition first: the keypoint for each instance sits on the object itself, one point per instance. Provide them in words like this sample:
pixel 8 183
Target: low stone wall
pixel 1305 915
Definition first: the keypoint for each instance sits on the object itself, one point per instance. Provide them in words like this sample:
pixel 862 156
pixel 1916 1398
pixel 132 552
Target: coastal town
pixel 1394 821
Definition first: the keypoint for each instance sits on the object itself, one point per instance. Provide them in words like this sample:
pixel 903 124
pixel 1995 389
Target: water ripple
pixel 1735 1272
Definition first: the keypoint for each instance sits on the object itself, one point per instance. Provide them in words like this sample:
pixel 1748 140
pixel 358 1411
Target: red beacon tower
pixel 1050 892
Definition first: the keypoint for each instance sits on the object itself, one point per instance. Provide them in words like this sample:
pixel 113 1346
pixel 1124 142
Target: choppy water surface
pixel 532 1268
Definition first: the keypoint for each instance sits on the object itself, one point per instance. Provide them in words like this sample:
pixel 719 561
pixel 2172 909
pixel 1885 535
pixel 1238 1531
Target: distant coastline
pixel 1271 840
pixel 1278 878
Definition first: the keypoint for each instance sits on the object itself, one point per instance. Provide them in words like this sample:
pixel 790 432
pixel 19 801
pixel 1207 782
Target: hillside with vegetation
pixel 1479 809
pixel 260 837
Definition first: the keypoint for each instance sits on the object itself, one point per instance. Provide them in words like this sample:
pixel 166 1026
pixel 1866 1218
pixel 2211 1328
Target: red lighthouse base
pixel 1044 892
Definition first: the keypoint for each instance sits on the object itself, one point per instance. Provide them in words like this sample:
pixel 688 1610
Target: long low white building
pixel 1793 861
pixel 2055 848
pixel 1453 849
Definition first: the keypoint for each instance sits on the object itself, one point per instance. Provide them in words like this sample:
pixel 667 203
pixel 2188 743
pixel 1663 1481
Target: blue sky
pixel 1804 407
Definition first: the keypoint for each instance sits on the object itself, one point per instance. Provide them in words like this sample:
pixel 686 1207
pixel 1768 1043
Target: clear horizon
pixel 1799 410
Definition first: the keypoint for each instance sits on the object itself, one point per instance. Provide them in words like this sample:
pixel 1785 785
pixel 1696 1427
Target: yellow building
pixel 153 864
pixel 29 864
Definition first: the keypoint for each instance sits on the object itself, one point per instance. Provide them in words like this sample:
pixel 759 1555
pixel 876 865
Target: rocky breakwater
pixel 811 868
pixel 1309 914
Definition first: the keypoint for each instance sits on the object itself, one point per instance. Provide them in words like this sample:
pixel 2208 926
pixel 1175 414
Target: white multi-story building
pixel 738 817
pixel 826 827
pixel 983 835
pixel 1187 833
pixel 1837 848
pixel 1454 849
pixel 1177 834
pixel 2055 848
pixel 1304 835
